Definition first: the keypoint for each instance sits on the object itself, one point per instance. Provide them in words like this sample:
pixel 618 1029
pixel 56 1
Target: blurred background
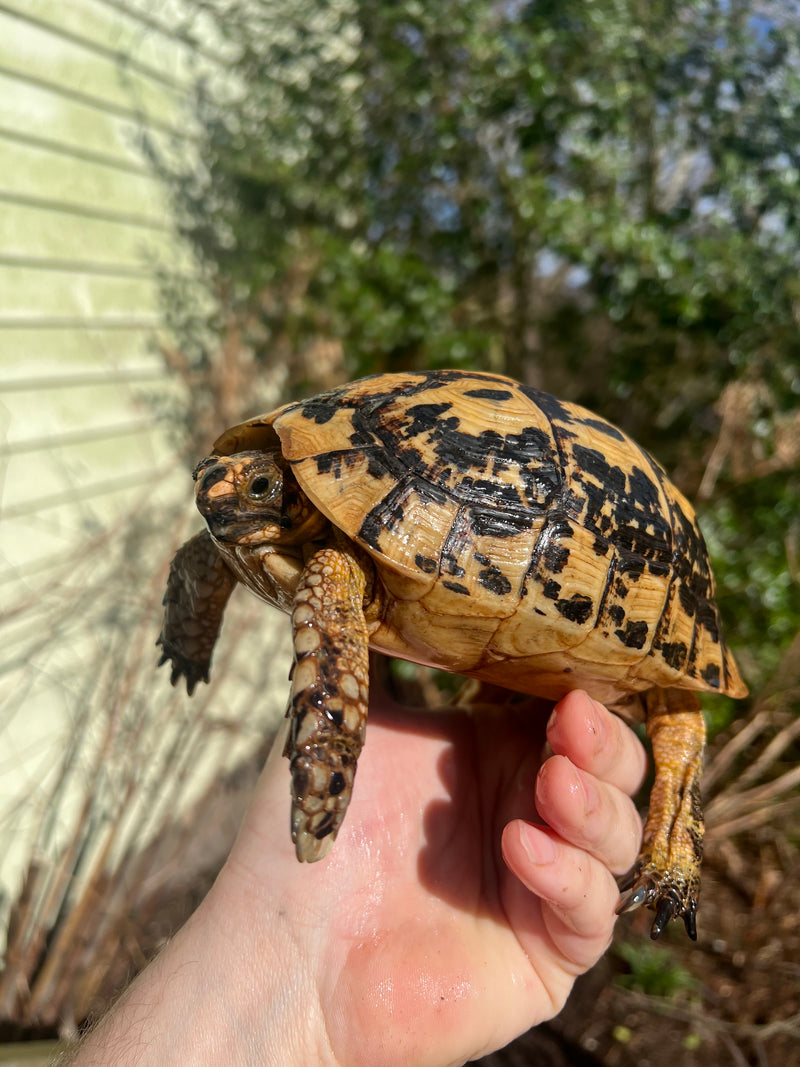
pixel 208 207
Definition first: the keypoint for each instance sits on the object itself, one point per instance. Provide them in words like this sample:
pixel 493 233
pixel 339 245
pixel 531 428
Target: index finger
pixel 597 741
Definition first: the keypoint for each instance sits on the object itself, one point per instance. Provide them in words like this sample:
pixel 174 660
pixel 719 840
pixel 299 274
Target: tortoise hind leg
pixel 330 691
pixel 667 874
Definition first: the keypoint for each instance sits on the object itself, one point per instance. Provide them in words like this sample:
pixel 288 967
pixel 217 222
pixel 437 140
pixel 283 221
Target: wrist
pixel 230 990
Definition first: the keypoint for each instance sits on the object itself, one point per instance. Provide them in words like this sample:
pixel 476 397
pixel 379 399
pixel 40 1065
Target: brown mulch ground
pixel 743 1006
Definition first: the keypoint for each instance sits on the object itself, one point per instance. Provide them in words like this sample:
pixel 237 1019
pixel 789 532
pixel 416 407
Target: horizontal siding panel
pixel 175 39
pixel 48 442
pixel 27 355
pixel 58 148
pixel 85 455
pixel 28 292
pixel 62 396
pixel 66 468
pixel 30 169
pixel 34 102
pixel 67 450
pixel 83 210
pixel 51 412
pixel 29 230
pixel 50 528
pixel 94 29
pixel 30 378
pixel 24 46
pixel 128 321
pixel 180 28
pixel 70 266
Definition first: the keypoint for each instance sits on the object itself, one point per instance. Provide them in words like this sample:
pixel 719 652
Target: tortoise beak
pixel 217 501
pixel 215 490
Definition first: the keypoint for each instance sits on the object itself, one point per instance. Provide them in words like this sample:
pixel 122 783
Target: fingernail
pixel 539 847
pixel 552 720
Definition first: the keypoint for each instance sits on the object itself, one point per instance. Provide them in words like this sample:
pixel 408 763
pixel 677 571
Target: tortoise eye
pixel 259 487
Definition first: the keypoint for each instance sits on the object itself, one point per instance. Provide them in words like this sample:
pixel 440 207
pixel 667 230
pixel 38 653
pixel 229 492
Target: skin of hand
pixel 471 883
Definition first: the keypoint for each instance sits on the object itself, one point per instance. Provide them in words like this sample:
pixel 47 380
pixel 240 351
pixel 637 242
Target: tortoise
pixel 462 520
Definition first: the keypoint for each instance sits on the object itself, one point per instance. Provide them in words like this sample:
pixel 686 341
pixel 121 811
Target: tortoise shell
pixel 519 539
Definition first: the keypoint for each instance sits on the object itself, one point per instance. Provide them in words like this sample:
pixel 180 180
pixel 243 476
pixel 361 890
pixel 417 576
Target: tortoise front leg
pixel 198 588
pixel 667 874
pixel 330 692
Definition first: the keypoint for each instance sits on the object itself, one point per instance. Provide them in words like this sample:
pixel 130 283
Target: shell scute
pixel 563 584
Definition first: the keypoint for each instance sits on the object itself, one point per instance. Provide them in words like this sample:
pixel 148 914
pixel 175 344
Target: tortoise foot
pixel 182 667
pixel 321 791
pixel 666 876
pixel 670 898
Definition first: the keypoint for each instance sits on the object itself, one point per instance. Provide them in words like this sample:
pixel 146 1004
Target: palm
pixel 414 919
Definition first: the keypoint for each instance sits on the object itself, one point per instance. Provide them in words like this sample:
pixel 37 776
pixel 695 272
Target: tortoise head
pixel 252 498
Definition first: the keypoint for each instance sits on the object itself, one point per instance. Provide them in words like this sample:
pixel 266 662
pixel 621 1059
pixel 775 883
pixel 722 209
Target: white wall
pixel 82 224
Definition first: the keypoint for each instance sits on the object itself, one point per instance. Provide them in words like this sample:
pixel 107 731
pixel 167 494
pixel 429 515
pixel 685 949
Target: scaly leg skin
pixel 198 588
pixel 330 692
pixel 667 874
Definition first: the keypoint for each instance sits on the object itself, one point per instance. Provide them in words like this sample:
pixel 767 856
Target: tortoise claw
pixel 626 882
pixel 669 908
pixel 632 899
pixel 690 920
pixel 181 667
pixel 664 898
pixel 664 912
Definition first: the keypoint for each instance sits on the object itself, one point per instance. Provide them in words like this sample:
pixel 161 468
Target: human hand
pixel 443 923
